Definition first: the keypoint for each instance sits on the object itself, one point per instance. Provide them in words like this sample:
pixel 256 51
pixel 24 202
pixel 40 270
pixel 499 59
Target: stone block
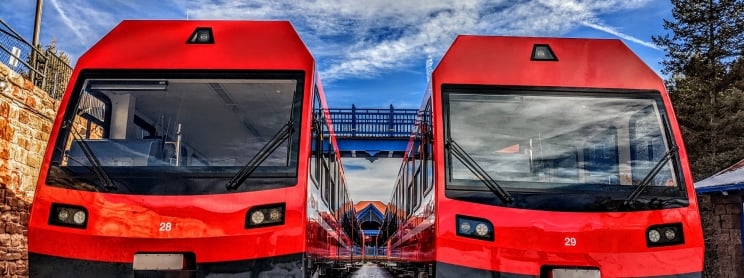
pixel 5 216
pixel 31 102
pixel 34 161
pixel 16 241
pixel 28 85
pixel 735 236
pixel 703 198
pixel 7 133
pixel 24 218
pixel 734 209
pixel 22 267
pixel 18 94
pixel 24 118
pixel 15 217
pixel 720 209
pixel 4 109
pixel 13 228
pixel 22 142
pixel 730 221
pixel 727 199
pixel 726 273
pixel 4 241
pixel 46 127
pixel 10 256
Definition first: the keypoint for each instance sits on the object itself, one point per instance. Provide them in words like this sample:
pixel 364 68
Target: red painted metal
pixel 210 226
pixel 527 240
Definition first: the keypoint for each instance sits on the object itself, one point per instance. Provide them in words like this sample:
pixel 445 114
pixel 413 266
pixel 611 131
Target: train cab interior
pixel 180 122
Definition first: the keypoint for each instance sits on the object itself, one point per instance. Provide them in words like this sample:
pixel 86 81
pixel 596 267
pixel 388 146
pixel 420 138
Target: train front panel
pixel 559 158
pixel 180 148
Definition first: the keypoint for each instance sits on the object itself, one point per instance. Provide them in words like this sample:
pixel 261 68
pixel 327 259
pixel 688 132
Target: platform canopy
pixel 729 179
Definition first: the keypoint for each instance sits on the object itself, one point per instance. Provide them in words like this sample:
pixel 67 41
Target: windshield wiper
pixel 633 196
pixel 95 165
pixel 482 175
pixel 259 157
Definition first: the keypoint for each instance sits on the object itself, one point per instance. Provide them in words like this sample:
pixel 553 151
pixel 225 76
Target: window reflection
pixel 543 141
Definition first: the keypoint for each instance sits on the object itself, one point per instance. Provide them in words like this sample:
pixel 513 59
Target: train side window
pixel 333 183
pixel 413 196
pixel 326 183
pixel 328 173
pixel 400 200
pixel 410 166
pixel 317 139
pixel 417 180
pixel 426 145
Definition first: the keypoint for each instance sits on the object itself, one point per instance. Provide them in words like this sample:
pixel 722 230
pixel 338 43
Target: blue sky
pixel 370 53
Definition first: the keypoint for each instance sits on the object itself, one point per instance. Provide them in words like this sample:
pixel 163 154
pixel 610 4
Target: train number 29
pixel 569 241
pixel 165 226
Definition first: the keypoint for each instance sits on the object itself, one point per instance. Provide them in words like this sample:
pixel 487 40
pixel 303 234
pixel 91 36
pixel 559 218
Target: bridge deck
pixel 374 132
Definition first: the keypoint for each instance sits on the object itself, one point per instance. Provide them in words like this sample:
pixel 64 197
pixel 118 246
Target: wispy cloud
pixel 85 21
pixel 71 25
pixel 386 35
pixel 362 38
pixel 375 182
pixel 626 37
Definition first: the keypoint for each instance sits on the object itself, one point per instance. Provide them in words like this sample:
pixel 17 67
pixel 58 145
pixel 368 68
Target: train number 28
pixel 166 226
pixel 569 241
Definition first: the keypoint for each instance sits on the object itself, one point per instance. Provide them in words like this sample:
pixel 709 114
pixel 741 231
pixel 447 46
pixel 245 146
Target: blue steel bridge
pixel 372 132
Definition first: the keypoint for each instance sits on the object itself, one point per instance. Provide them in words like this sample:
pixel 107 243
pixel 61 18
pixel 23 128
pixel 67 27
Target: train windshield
pixel 597 146
pixel 184 135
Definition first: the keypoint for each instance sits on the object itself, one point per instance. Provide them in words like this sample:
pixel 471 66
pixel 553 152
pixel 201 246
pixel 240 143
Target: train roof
pixel 162 44
pixel 499 60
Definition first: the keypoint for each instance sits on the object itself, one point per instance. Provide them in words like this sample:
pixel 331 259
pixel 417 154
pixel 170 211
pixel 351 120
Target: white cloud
pixel 82 19
pixel 364 38
pixel 387 35
pixel 375 182
pixel 626 37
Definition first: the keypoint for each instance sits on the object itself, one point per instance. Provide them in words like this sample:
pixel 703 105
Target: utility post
pixel 35 42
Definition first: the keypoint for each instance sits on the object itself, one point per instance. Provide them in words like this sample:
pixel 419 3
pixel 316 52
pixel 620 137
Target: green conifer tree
pixel 704 59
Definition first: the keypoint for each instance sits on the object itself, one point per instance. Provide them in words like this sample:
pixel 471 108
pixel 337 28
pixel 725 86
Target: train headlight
pixel 474 227
pixel 664 235
pixel 481 229
pixel 265 215
pixel 465 227
pixel 79 217
pixel 670 234
pixel 63 215
pixel 654 235
pixel 68 216
pixel 275 214
pixel 257 217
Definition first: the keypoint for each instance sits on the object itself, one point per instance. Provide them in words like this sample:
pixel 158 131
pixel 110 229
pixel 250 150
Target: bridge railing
pixel 373 122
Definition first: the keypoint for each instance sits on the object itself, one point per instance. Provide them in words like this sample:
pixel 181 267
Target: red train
pixel 544 157
pixel 192 149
